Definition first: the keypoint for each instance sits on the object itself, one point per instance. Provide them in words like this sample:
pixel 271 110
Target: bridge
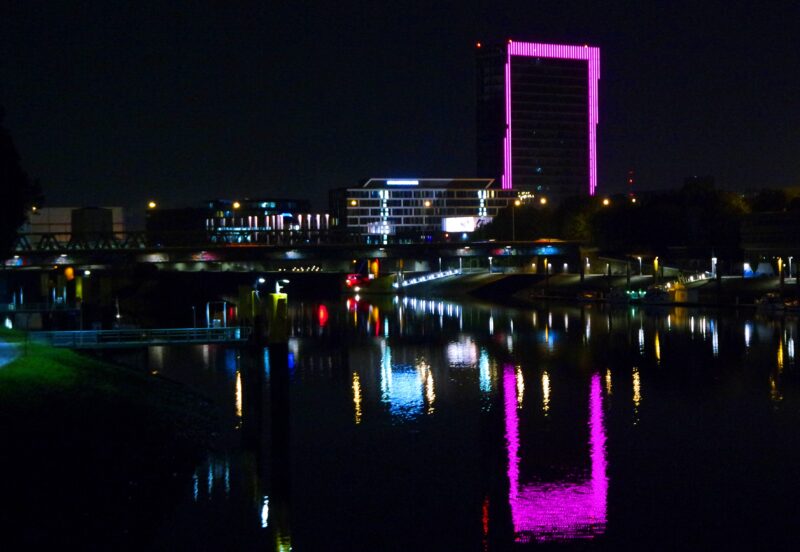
pixel 320 251
pixel 129 338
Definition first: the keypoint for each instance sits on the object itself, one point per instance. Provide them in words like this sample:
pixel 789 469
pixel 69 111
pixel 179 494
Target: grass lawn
pixel 91 453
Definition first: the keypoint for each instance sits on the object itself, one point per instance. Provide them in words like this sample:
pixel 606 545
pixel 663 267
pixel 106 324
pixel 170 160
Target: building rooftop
pixel 412 183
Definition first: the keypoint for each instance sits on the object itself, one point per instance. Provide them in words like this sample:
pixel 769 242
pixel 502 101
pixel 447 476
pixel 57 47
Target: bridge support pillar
pixel 277 318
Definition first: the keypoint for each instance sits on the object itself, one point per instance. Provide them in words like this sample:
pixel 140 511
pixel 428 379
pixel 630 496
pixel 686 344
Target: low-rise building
pixel 416 207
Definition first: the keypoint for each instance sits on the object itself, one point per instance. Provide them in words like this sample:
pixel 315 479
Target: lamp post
pixel 516 204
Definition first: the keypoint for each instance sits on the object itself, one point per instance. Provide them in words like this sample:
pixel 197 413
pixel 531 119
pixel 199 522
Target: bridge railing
pixel 137 240
pixel 37 307
pixel 135 336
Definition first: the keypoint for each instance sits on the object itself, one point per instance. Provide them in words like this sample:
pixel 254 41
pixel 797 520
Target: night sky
pixel 118 102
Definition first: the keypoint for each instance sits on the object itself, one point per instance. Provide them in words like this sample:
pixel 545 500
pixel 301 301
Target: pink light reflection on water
pixel 557 510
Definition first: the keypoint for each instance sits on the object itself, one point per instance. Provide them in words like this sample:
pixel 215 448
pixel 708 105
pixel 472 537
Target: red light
pixel 478 45
pixel 322 315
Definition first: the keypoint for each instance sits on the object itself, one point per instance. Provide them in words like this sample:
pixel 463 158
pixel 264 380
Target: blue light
pixel 402 182
pixel 547 250
pixel 231 360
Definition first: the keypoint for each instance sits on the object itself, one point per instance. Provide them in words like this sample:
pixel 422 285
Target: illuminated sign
pixel 402 182
pixel 554 51
pixel 462 224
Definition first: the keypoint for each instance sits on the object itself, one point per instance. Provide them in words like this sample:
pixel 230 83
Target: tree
pixel 769 200
pixel 19 192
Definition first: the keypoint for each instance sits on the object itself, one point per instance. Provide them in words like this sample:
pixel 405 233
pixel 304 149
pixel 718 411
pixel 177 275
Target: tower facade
pixel 537 116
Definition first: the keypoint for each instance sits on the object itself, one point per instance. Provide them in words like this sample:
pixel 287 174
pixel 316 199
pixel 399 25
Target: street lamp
pixel 517 203
pixel 606 202
pixel 543 201
pixel 152 205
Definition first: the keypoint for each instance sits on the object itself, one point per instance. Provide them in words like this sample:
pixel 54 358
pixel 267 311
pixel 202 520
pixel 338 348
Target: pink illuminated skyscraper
pixel 537 116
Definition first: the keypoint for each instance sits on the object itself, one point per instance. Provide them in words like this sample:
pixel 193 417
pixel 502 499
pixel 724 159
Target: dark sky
pixel 117 102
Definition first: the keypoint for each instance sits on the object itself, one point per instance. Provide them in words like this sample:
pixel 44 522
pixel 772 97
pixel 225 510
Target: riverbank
pixel 522 288
pixel 93 453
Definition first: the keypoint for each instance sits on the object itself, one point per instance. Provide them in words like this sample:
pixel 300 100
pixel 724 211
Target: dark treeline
pixel 19 192
pixel 697 216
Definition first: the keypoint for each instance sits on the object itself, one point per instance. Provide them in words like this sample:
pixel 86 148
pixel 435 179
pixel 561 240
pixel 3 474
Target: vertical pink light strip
pixel 507 175
pixel 555 51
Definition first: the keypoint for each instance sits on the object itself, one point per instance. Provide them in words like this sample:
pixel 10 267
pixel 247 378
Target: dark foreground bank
pixel 93 454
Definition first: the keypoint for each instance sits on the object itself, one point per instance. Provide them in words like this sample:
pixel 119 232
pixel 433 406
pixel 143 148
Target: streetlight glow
pixel 543 200
pixel 236 204
pixel 606 202
pixel 150 205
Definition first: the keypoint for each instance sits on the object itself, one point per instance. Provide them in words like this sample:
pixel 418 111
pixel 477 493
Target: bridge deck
pixel 136 337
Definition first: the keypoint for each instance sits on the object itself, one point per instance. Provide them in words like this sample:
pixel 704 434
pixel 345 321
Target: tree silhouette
pixel 19 192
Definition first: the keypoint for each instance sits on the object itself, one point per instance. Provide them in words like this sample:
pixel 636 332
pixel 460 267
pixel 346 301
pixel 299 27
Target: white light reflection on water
pixel 714 337
pixel 265 512
pixel 463 352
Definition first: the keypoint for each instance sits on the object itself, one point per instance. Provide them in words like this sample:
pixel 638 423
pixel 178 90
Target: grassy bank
pixel 92 453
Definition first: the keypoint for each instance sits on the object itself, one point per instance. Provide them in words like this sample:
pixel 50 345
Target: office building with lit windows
pixel 415 207
pixel 537 115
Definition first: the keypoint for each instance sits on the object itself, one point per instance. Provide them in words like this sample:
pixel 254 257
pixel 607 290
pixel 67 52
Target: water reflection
pixel 567 509
pixel 432 411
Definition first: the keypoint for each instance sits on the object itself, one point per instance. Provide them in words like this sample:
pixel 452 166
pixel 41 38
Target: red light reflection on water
pixel 545 511
pixel 322 315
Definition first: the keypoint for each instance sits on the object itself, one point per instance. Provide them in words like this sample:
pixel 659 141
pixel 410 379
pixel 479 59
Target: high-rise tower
pixel 537 116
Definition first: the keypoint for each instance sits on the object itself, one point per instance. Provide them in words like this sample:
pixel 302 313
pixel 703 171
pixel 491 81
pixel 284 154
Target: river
pixel 414 424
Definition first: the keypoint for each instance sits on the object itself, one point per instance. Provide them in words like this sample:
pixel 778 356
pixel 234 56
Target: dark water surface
pixel 409 424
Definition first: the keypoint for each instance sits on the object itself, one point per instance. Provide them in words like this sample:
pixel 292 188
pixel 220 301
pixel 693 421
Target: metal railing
pixel 37 307
pixel 96 339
